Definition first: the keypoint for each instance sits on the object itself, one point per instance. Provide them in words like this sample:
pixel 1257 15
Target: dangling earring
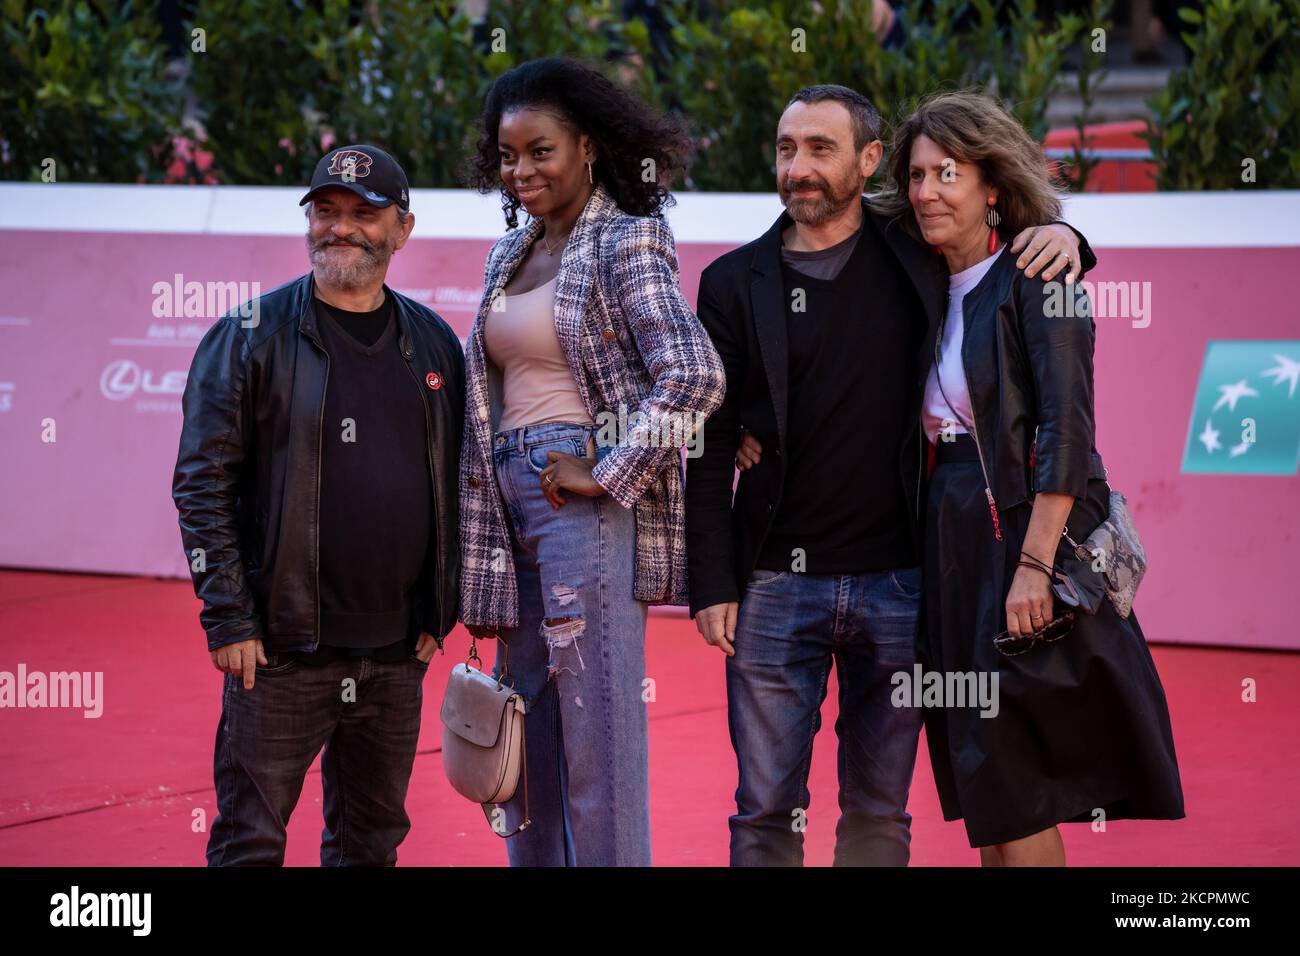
pixel 992 218
pixel 589 177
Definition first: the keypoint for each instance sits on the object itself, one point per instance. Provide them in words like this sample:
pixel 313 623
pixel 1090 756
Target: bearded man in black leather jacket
pixel 316 485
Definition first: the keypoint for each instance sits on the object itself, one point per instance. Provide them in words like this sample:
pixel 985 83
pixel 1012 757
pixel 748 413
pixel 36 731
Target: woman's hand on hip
pixel 565 471
pixel 1029 604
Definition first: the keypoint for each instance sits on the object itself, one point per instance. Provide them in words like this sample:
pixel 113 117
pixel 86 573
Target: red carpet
pixel 124 789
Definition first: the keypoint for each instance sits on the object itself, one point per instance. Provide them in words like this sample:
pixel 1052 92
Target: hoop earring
pixel 992 218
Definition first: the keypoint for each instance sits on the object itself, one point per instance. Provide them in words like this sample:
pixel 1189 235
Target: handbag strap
pixel 523 753
pixel 523 750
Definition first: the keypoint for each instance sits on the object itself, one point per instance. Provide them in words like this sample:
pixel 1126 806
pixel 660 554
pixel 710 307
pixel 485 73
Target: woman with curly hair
pixel 586 373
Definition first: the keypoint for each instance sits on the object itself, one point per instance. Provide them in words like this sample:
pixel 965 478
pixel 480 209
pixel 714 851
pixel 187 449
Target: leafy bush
pixel 272 86
pixel 429 69
pixel 82 83
pixel 1238 99
pixel 262 84
pixel 734 74
pixel 279 86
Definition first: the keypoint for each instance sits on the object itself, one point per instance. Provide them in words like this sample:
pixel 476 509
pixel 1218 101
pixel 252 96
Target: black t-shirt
pixel 823 263
pixel 843 508
pixel 376 511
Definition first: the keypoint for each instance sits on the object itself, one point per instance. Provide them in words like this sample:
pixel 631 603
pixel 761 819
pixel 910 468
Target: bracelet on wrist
pixel 1026 557
pixel 1035 567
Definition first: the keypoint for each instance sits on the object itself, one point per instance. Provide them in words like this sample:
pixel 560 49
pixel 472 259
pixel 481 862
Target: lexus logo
pixel 123 378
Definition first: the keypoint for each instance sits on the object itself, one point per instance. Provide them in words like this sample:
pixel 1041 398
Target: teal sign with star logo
pixel 1246 417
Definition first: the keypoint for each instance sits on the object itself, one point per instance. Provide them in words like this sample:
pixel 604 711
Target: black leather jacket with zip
pixel 247 480
pixel 1027 352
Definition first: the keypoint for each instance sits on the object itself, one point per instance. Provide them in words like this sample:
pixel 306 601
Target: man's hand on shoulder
pixel 1048 250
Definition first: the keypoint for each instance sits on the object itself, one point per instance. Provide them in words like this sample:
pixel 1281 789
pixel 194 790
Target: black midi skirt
pixel 1082 726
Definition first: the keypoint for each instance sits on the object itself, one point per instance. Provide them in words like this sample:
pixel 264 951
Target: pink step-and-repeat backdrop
pixel 94 350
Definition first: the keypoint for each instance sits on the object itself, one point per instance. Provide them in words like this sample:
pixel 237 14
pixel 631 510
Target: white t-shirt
pixel 935 412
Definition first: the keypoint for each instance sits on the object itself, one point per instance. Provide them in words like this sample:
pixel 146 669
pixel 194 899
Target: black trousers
pixel 366 716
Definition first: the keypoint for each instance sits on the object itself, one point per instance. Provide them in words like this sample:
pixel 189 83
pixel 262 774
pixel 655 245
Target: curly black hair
pixel 625 132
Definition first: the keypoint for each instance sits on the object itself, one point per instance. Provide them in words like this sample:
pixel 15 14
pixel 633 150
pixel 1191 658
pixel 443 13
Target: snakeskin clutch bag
pixel 1115 551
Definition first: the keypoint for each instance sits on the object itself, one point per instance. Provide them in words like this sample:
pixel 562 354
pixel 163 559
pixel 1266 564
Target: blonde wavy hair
pixel 973 127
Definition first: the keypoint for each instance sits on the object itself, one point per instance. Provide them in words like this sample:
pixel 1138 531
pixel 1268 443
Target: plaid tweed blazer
pixel 633 344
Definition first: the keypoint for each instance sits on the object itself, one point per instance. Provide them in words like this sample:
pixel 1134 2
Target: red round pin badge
pixel 433 380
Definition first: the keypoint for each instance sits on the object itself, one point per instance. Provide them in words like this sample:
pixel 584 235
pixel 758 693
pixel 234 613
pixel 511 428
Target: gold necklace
pixel 547 246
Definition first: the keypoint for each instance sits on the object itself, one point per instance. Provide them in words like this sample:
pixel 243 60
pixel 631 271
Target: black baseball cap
pixel 366 170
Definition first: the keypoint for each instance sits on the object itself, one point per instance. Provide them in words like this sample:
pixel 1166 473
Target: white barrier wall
pixel 92 362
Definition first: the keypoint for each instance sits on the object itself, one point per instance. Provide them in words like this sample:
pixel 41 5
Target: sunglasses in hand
pixel 1053 630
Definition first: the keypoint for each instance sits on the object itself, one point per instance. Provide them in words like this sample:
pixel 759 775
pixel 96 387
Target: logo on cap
pixel 358 162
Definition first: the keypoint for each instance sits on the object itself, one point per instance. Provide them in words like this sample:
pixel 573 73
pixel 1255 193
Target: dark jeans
pixel 268 737
pixel 790 627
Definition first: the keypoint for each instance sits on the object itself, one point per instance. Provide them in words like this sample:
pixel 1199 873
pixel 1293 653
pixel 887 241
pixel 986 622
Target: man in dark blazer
pixel 825 326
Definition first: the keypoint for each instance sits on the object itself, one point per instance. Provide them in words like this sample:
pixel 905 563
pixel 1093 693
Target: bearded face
pixel 812 199
pixel 350 241
pixel 349 262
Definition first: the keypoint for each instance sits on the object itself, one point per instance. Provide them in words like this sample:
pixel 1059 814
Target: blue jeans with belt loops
pixel 791 627
pixel 578 657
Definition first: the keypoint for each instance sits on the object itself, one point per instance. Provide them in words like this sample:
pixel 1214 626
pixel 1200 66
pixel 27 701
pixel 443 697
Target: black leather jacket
pixel 1027 352
pixel 247 481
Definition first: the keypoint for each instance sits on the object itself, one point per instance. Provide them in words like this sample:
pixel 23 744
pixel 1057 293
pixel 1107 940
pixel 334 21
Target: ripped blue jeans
pixel 578 657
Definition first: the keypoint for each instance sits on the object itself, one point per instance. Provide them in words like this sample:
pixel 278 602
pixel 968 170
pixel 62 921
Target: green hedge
pixel 82 84
pixel 733 77
pixel 1237 104
pixel 276 84
pixel 281 84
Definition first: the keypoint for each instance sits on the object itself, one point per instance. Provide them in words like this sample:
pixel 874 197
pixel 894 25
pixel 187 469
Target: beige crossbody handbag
pixel 483 739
